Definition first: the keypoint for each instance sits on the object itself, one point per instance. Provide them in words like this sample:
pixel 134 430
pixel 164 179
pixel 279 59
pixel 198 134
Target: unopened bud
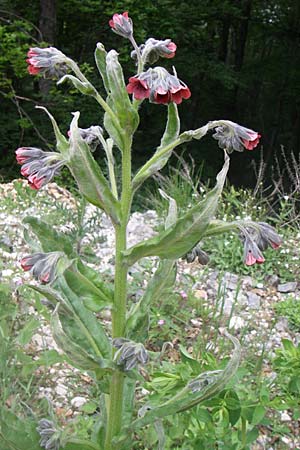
pixel 122 25
pixel 130 353
pixel 50 62
pixel 42 265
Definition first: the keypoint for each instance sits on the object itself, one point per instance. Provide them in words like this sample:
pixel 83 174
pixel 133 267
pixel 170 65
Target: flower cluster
pixel 122 24
pixel 159 86
pixel 38 166
pixel 49 62
pixel 50 436
pixel 153 49
pixel 257 239
pixel 42 265
pixel 129 353
pixel 232 136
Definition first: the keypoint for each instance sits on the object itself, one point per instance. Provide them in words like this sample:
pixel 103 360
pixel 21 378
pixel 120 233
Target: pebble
pixel 78 402
pixel 287 287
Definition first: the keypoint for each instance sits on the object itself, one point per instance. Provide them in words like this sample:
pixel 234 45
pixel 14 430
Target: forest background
pixel 240 58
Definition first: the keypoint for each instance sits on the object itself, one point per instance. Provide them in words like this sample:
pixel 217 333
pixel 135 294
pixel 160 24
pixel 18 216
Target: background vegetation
pixel 239 57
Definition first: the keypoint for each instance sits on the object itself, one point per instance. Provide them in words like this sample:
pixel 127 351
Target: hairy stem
pixel 119 311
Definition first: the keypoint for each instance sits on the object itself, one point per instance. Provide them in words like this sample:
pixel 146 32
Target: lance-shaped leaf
pixel 84 87
pixel 172 211
pixel 178 239
pixel 121 104
pixel 157 162
pixel 100 58
pixel 82 325
pixel 204 387
pixel 88 175
pixel 78 356
pixel 62 143
pixel 137 324
pixel 50 239
pixel 94 297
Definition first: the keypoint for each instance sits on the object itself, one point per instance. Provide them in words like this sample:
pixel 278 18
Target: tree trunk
pixel 47 25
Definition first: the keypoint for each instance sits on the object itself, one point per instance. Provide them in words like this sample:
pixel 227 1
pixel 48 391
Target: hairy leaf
pixel 178 239
pixel 88 175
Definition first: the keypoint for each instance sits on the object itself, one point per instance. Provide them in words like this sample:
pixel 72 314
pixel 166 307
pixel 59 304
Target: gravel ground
pixel 248 306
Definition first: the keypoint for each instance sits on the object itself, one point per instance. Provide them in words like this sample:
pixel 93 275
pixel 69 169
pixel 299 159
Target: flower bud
pixel 49 62
pixel 41 265
pixel 268 236
pixel 122 25
pixel 159 86
pixel 50 435
pixel 232 136
pixel 153 49
pixel 252 253
pixel 130 353
pixel 196 252
pixel 91 135
pixel 38 166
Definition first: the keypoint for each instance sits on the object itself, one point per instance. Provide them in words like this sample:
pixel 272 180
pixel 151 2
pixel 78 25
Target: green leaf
pixel 177 240
pixel 186 357
pixel 28 331
pixel 62 143
pixel 17 433
pixel 212 384
pixel 258 414
pixel 138 320
pixel 121 104
pixel 77 355
pixel 100 58
pixel 94 297
pixel 85 328
pixel 170 135
pixel 50 239
pixel 83 87
pixel 88 175
pixel 173 210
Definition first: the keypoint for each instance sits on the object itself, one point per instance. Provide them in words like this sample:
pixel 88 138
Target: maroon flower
pixel 267 237
pixel 49 62
pixel 252 254
pixel 42 265
pixel 232 136
pixel 38 166
pixel 159 86
pixel 122 25
pixel 153 49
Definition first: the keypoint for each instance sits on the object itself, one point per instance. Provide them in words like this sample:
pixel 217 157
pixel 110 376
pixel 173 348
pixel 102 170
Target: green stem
pixel 243 433
pixel 84 443
pixel 114 422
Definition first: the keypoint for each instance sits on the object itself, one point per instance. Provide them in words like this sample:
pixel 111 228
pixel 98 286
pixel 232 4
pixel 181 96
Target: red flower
pixel 252 254
pixel 172 47
pixel 50 62
pixel 232 136
pixel 42 265
pixel 38 166
pixel 122 25
pixel 159 86
pixel 153 49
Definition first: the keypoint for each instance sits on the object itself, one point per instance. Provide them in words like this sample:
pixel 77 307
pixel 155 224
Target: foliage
pixel 290 309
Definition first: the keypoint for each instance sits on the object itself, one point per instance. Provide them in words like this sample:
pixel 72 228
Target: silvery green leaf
pixel 157 163
pixel 83 87
pixel 120 102
pixel 62 143
pixel 172 212
pixel 181 237
pixel 88 175
pixel 100 58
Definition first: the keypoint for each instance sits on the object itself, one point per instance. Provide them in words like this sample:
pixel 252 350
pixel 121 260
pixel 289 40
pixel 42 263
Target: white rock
pixel 77 402
pixel 61 389
pixel 285 417
pixel 236 322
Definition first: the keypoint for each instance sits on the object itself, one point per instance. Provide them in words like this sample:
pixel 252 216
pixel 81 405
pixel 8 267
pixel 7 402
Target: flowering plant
pixel 75 292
